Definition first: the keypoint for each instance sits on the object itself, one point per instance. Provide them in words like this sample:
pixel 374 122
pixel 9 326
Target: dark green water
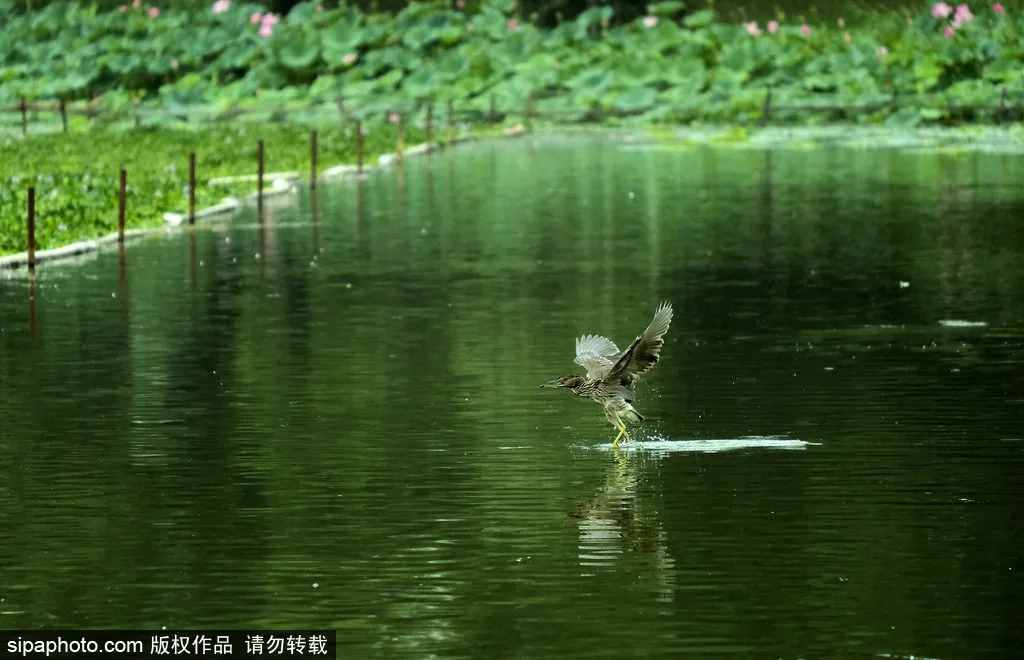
pixel 345 431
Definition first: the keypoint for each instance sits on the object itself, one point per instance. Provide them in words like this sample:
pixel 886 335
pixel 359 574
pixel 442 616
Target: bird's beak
pixel 552 383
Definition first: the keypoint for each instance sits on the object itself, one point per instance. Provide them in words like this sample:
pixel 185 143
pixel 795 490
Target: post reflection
pixel 314 207
pixel 192 260
pixel 360 209
pixel 33 313
pixel 122 281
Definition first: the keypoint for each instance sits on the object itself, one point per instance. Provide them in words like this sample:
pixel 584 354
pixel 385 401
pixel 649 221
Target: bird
pixel 612 374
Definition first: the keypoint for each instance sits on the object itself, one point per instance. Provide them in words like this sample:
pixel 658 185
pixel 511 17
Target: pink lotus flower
pixel 805 30
pixel 349 59
pixel 512 24
pixel 221 6
pixel 999 8
pixel 650 21
pixel 256 18
pixel 153 12
pixel 949 32
pixel 882 52
pixel 773 27
pixel 394 117
pixel 752 29
pixel 941 10
pixel 136 3
pixel 271 19
pixel 963 15
pixel 266 29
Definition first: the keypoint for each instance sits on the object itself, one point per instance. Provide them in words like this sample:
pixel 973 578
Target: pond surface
pixel 332 419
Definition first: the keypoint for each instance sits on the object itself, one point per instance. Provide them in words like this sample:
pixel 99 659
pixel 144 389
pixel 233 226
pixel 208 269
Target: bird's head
pixel 565 381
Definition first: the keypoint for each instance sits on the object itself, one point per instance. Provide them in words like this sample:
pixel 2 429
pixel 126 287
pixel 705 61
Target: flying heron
pixel 612 374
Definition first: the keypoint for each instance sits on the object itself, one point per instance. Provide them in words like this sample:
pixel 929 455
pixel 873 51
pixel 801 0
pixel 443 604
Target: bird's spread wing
pixel 596 354
pixel 643 353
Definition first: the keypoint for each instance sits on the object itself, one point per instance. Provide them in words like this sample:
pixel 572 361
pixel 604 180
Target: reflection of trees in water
pixel 621 519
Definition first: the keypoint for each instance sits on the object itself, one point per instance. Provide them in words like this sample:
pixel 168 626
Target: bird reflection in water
pixel 620 524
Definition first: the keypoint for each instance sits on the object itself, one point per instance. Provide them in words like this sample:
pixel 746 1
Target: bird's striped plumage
pixel 612 374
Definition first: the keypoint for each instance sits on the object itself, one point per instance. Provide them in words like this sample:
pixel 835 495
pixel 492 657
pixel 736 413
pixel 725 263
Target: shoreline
pixel 279 184
pixel 984 139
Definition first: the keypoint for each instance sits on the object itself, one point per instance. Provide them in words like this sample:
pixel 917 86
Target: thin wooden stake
pixel 400 140
pixel 62 106
pixel 192 188
pixel 32 229
pixel 451 111
pixel 121 203
pixel 259 173
pixel 24 116
pixel 430 123
pixel 313 147
pixel 359 146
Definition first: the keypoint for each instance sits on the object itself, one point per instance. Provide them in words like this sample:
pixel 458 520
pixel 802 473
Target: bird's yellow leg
pixel 622 432
pixel 615 442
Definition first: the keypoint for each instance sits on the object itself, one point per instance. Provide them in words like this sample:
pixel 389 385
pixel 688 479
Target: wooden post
pixel 62 106
pixel 359 146
pixel 430 123
pixel 32 229
pixel 451 111
pixel 121 205
pixel 400 140
pixel 24 116
pixel 192 188
pixel 312 158
pixel 259 173
pixel 766 110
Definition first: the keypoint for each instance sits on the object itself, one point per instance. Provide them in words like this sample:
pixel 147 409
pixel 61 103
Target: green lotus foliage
pixel 673 65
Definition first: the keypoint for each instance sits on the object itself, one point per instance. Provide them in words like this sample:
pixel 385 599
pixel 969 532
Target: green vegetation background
pixel 671 65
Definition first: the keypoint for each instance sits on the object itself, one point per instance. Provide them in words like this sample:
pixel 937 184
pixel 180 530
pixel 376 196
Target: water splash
pixel 661 446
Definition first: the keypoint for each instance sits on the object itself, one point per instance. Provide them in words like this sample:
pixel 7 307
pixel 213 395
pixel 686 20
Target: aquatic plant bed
pixel 678 63
pixel 76 175
pixel 951 140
